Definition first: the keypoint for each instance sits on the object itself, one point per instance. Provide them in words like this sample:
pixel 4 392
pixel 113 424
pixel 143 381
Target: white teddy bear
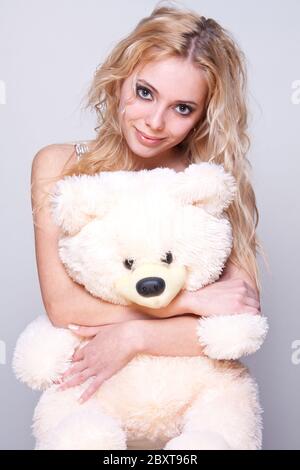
pixel 141 237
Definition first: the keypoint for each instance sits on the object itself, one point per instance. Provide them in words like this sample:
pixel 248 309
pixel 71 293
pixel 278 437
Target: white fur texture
pixel 231 336
pixel 76 200
pixel 100 433
pixel 122 220
pixel 42 353
pixel 206 185
pixel 154 401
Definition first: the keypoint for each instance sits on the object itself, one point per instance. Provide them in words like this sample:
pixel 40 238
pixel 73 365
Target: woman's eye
pixel 142 90
pixel 188 108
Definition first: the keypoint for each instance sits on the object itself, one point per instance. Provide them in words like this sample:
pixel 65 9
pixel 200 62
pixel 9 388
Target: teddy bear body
pixel 152 400
pixel 141 237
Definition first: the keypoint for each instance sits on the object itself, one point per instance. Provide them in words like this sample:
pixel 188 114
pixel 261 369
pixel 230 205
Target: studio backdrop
pixel 49 51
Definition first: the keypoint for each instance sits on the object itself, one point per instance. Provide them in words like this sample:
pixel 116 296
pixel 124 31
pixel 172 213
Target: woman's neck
pixel 176 160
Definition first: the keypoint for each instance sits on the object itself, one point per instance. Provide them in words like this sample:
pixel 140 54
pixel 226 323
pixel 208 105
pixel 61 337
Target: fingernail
pixel 81 400
pixel 73 327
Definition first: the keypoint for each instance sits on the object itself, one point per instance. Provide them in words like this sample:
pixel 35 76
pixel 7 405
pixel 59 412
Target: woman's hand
pixel 112 347
pixel 225 297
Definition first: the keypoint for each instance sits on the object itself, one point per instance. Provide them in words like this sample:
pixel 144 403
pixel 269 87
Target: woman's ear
pixel 206 185
pixel 76 200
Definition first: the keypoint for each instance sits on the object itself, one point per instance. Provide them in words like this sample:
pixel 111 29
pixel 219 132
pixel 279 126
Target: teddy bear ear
pixel 76 200
pixel 206 185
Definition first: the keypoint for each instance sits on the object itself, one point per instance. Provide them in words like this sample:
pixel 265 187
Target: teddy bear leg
pixel 61 422
pixel 197 440
pixel 227 416
pixel 85 429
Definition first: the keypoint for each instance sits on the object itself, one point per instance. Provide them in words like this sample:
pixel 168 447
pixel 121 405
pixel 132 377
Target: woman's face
pixel 167 107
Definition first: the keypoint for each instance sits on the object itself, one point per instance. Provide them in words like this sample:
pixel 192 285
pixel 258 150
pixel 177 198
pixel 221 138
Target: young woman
pixel 171 93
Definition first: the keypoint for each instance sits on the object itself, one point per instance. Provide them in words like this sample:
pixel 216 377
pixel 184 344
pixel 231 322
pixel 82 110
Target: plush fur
pixel 154 402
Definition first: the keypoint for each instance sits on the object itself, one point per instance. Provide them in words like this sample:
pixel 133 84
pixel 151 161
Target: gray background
pixel 48 53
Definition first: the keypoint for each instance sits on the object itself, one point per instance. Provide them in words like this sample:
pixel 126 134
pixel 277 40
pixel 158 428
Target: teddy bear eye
pixel 168 258
pixel 128 263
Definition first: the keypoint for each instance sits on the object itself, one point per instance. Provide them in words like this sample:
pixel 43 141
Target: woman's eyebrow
pixel 154 89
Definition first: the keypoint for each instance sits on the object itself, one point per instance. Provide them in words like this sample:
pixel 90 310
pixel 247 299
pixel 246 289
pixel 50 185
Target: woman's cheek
pixel 136 110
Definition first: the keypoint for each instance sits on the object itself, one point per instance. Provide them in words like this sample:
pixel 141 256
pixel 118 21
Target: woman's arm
pixel 65 301
pixel 164 337
pixel 170 336
pixel 234 292
pixel 231 271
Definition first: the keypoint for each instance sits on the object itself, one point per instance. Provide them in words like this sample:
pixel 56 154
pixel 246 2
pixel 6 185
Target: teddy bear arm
pixel 42 353
pixel 231 336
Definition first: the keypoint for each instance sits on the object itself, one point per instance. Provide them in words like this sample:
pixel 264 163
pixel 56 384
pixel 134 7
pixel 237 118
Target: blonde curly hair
pixel 220 135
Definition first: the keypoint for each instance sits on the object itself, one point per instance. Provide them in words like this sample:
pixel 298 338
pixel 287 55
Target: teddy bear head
pixel 142 236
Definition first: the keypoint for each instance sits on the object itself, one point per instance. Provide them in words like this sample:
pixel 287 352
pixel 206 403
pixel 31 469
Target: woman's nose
pixel 156 119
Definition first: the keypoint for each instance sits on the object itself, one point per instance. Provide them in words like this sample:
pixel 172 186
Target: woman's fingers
pixel 77 379
pixel 253 292
pixel 247 305
pixel 251 310
pixel 86 331
pixel 238 283
pixel 78 354
pixel 91 389
pixel 77 367
pixel 252 302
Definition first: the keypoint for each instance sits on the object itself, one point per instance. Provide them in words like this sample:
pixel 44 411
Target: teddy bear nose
pixel 150 286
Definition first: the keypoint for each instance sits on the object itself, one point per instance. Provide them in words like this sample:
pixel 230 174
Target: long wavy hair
pixel 220 135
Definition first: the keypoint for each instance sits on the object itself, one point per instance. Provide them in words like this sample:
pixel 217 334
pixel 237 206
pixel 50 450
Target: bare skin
pixel 132 329
pixel 158 109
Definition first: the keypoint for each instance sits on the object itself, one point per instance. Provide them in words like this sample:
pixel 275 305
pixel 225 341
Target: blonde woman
pixel 171 93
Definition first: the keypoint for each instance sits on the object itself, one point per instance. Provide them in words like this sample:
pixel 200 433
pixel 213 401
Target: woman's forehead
pixel 173 76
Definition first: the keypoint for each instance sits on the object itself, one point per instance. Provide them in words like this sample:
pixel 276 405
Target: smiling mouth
pixel 150 138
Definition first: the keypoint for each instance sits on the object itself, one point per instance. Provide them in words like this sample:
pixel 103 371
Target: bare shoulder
pixel 50 160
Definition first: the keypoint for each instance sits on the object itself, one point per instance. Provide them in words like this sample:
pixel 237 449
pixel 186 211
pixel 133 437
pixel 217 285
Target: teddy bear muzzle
pixel 152 285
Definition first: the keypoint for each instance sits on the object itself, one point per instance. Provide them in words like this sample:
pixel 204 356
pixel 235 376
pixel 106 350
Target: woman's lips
pixel 146 140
